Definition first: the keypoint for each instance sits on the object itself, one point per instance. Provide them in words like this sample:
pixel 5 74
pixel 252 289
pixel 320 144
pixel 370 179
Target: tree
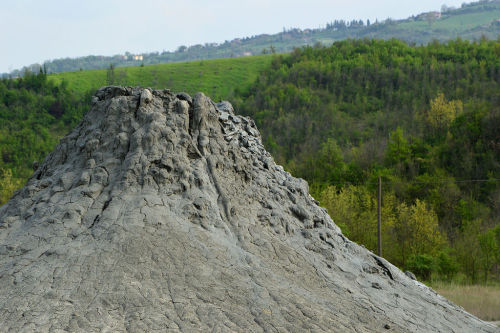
pixel 446 265
pixel 328 164
pixel 489 248
pixel 353 208
pixel 398 150
pixel 110 75
pixel 8 185
pixel 443 112
pixel 467 248
pixel 422 265
pixel 416 231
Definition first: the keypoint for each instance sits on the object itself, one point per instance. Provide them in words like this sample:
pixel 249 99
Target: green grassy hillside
pixel 472 22
pixel 218 78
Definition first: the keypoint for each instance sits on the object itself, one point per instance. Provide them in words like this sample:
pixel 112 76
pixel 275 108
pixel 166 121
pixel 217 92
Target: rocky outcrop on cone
pixel 162 212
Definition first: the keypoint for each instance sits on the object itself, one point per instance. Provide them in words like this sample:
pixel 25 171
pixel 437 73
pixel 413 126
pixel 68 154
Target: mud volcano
pixel 162 212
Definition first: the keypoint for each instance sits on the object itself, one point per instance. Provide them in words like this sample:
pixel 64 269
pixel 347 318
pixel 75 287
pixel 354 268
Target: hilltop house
pixel 429 15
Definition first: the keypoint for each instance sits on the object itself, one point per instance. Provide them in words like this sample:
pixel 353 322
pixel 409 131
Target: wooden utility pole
pixel 379 213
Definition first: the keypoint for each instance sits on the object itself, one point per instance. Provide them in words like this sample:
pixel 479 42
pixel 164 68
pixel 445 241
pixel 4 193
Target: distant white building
pixel 429 15
pixel 436 15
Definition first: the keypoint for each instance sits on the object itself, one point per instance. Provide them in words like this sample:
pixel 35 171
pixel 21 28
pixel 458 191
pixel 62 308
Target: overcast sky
pixel 32 31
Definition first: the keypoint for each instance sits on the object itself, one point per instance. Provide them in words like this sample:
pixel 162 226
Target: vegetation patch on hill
pixel 423 118
pixel 219 78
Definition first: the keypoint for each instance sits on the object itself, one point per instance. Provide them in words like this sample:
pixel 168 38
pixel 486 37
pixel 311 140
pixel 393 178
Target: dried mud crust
pixel 164 212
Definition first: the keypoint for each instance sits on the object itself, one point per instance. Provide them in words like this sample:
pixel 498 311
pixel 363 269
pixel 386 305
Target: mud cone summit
pixel 162 212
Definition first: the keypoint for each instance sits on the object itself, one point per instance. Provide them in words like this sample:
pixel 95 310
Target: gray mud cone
pixel 165 213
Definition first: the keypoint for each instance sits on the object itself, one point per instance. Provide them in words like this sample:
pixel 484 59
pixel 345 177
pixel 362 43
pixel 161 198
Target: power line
pixel 444 181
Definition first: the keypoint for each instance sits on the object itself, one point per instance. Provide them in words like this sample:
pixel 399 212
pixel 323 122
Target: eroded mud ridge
pixel 163 212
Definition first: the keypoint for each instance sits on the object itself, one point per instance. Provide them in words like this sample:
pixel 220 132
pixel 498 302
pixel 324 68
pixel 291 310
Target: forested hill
pixel 426 119
pixel 423 118
pixel 471 21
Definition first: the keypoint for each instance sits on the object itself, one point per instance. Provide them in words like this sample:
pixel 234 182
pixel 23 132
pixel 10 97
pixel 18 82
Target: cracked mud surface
pixel 162 212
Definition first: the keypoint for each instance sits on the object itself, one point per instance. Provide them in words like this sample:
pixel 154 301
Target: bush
pixel 447 266
pixel 422 265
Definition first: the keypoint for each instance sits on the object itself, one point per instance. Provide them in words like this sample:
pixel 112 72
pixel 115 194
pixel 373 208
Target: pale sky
pixel 32 31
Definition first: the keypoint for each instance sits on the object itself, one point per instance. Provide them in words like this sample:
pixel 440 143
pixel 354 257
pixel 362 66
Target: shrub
pixel 422 265
pixel 446 265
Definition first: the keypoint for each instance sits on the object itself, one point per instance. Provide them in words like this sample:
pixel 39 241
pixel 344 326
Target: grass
pixel 482 301
pixel 456 23
pixel 467 21
pixel 217 78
